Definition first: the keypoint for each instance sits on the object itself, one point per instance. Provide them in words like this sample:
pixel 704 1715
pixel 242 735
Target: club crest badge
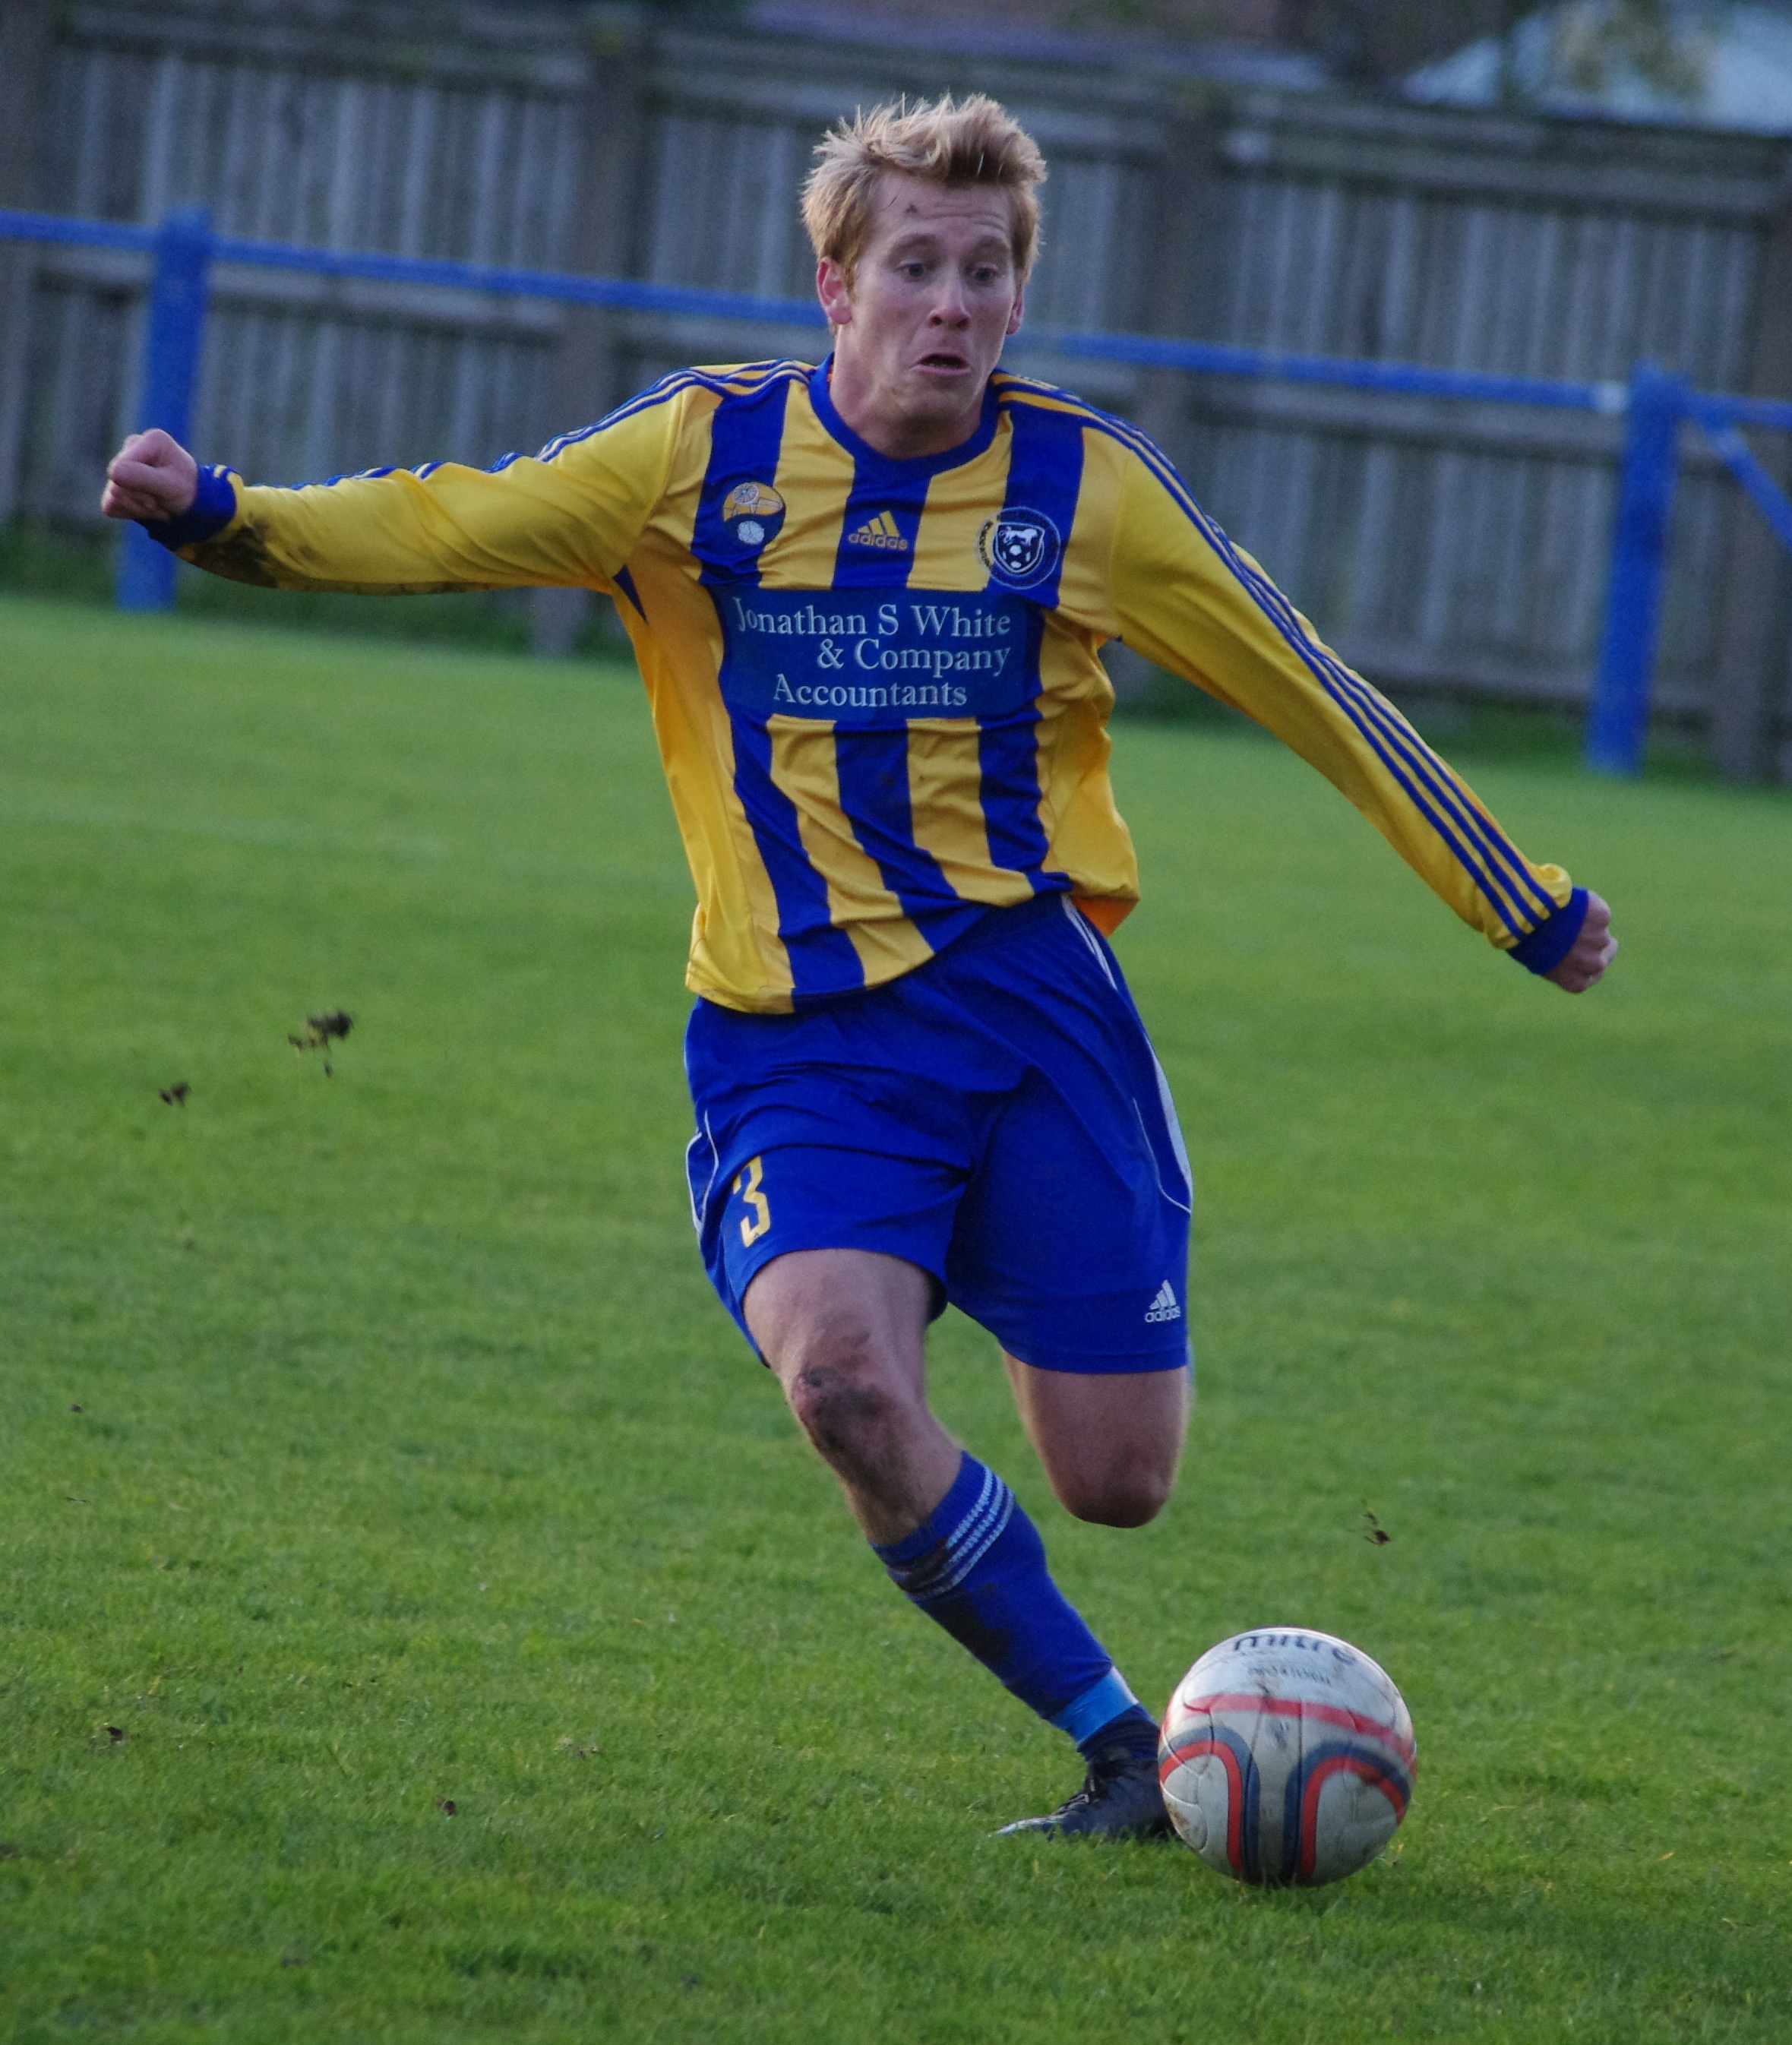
pixel 749 510
pixel 1020 547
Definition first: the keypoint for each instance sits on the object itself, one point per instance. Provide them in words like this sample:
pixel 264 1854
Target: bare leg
pixel 1110 1444
pixel 845 1330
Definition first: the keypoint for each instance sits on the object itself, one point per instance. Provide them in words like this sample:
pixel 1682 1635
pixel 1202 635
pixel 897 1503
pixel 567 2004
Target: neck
pixel 882 423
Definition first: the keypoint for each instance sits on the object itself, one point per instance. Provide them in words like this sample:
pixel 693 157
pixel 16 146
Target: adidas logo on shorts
pixel 1164 1307
pixel 879 531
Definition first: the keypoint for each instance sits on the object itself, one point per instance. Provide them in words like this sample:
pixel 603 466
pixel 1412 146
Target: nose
pixel 949 308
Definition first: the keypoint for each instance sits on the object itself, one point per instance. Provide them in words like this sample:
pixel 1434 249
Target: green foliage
pixel 1598 40
pixel 422 1621
pixel 1580 45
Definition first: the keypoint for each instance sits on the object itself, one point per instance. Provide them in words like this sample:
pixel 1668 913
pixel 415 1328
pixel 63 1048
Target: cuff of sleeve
pixel 213 507
pixel 1550 943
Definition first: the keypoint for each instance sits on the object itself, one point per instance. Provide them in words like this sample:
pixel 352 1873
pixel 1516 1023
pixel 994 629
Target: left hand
pixel 1594 950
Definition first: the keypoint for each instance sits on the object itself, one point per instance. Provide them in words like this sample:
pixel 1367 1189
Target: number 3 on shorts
pixel 746 1185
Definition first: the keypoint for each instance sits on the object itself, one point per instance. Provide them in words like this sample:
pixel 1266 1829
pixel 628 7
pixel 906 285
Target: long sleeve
pixel 569 516
pixel 1188 599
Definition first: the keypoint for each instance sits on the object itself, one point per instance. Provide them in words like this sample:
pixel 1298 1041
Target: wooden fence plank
pixel 1459 547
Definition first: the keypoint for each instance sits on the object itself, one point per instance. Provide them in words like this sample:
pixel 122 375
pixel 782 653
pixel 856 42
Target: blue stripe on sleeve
pixel 1493 865
pixel 1491 862
pixel 1505 880
pixel 1550 943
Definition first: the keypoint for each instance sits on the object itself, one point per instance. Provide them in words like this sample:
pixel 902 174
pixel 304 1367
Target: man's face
pixel 923 325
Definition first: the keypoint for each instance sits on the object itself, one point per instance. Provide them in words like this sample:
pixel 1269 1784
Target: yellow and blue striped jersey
pixel 875 682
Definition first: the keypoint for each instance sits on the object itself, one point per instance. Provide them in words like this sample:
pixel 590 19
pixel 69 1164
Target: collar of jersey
pixel 867 458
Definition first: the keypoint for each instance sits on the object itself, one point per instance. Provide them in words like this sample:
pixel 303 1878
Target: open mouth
pixel 943 359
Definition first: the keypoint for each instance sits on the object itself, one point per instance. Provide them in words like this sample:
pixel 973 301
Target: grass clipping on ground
pixel 423 1622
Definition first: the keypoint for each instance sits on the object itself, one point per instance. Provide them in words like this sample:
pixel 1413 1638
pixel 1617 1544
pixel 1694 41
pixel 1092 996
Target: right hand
pixel 1594 950
pixel 151 477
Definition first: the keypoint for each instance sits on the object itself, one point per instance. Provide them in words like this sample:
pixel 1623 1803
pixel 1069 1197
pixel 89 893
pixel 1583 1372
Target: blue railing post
pixel 1618 716
pixel 172 333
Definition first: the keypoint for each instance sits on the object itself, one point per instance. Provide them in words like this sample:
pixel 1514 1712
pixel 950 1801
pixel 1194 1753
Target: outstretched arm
pixel 1187 599
pixel 569 516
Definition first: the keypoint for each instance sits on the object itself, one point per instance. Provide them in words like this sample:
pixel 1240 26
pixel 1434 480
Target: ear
pixel 834 291
pixel 1019 309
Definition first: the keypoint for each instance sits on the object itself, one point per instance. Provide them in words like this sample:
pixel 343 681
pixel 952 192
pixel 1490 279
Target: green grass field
pixel 423 1622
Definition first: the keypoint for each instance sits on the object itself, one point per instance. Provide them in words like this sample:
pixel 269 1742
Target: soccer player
pixel 867 600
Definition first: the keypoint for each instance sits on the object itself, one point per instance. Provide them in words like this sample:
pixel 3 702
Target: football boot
pixel 1119 1800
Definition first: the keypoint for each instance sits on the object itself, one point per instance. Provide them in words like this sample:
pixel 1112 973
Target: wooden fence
pixel 1444 547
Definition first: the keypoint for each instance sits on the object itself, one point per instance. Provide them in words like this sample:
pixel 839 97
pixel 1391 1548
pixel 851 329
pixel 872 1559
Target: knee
pixel 842 1402
pixel 1118 1498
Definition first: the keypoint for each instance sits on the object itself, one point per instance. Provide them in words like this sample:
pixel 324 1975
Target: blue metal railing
pixel 1653 404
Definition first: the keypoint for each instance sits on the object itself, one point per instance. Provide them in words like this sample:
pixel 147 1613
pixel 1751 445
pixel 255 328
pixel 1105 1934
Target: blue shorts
pixel 997 1117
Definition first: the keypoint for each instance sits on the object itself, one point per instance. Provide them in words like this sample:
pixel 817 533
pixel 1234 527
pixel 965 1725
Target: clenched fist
pixel 151 477
pixel 1594 950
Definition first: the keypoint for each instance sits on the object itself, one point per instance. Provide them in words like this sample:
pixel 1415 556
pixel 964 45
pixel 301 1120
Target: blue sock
pixel 976 1565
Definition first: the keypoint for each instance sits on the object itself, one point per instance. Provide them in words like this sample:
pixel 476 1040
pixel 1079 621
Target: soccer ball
pixel 1286 1756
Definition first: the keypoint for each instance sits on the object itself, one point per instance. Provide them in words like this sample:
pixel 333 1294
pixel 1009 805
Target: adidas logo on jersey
pixel 879 531
pixel 1164 1307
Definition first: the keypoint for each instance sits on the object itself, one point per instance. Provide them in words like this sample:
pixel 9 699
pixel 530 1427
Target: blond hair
pixel 971 141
